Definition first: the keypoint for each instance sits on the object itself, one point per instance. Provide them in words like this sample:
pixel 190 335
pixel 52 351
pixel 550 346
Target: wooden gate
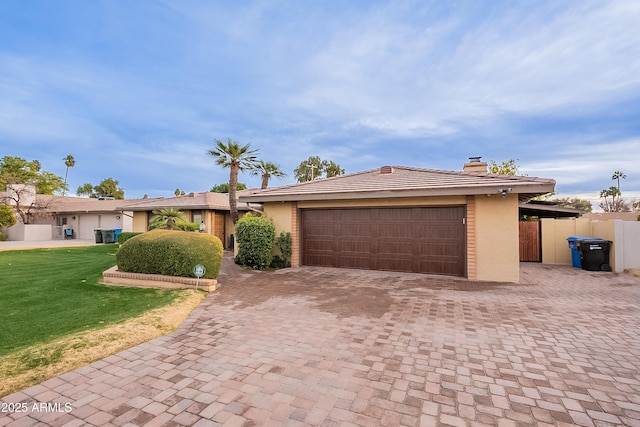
pixel 530 241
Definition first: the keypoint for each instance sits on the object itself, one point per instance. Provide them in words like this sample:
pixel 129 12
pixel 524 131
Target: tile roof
pixel 402 181
pixel 68 204
pixel 205 200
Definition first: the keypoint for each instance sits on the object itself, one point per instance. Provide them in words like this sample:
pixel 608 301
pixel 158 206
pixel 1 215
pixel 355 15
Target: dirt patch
pixel 635 272
pixel 35 364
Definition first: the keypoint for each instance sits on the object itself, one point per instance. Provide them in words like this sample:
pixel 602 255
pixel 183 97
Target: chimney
pixel 385 170
pixel 475 165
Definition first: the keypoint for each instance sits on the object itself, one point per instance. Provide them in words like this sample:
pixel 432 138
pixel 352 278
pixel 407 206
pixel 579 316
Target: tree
pixel 16 170
pixel 508 167
pixel 224 187
pixel 7 218
pixel 267 170
pixel 166 218
pixel 108 187
pixel 617 175
pixel 616 203
pixel 178 192
pixel 22 197
pixel 575 203
pixel 69 162
pixel 315 168
pixel 332 169
pixel 238 159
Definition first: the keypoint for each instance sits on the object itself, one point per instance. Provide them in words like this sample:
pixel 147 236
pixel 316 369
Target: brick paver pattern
pixel 316 346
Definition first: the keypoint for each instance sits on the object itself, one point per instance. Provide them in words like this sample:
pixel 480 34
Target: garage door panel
pixel 424 239
pixel 354 261
pixel 321 260
pixel 397 247
pixel 395 264
pixel 354 230
pixel 407 230
pixel 439 248
pixel 320 245
pixel 357 246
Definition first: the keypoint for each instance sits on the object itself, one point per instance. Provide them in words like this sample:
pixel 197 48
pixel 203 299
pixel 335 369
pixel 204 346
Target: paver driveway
pixel 315 346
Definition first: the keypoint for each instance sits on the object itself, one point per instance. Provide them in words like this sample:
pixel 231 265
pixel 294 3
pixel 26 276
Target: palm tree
pixel 237 158
pixel 166 218
pixel 69 162
pixel 617 175
pixel 268 170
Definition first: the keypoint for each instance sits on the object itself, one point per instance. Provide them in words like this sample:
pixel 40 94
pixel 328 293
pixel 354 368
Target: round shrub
pixel 256 236
pixel 171 253
pixel 126 235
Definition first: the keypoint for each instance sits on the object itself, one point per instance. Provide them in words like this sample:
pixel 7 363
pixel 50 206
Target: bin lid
pixel 574 238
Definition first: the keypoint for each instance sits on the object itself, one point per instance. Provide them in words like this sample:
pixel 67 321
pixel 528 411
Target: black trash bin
pixel 108 235
pixel 98 234
pixel 594 254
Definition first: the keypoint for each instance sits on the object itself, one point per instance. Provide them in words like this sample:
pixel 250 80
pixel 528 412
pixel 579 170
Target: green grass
pixel 46 294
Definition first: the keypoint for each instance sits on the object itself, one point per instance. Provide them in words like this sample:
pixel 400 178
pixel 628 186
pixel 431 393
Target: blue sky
pixel 138 91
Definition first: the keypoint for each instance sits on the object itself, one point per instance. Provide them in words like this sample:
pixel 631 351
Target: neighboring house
pixel 81 215
pixel 57 217
pixel 210 208
pixel 406 219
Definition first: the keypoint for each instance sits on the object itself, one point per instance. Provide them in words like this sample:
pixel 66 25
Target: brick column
pixel 471 238
pixel 295 235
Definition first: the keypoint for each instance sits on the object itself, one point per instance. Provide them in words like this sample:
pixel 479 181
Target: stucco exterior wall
pixel 492 234
pixel 496 235
pixel 630 256
pixel 29 232
pixel 140 221
pixel 555 248
pixel 280 214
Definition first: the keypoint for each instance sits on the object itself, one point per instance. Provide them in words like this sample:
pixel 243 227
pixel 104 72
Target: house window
pixel 196 216
pixel 61 221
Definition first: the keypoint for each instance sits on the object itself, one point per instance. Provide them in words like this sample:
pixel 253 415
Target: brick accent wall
pixel 295 235
pixel 471 238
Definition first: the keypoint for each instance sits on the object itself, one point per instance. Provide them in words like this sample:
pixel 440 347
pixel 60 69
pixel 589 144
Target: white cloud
pixel 391 73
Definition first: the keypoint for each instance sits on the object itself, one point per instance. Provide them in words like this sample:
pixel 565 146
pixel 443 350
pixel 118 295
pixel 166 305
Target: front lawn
pixel 51 306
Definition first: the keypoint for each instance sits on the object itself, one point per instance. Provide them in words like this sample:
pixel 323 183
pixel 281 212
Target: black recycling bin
pixel 98 234
pixel 594 254
pixel 108 236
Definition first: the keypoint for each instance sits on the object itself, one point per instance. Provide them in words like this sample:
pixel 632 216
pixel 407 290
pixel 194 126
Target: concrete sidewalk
pixel 12 245
pixel 317 346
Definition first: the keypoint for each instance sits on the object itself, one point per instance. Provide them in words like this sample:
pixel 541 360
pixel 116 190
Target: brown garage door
pixel 419 240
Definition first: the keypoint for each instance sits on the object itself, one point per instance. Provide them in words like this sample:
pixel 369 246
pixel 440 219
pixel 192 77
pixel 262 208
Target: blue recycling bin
pixel 115 235
pixel 575 253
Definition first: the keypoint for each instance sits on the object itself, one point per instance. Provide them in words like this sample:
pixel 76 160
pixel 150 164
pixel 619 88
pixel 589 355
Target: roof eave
pixel 530 189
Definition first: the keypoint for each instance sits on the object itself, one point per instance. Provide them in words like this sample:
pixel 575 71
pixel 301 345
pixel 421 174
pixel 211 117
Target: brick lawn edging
pixel 120 278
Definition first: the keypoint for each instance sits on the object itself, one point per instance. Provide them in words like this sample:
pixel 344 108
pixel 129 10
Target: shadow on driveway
pixel 317 346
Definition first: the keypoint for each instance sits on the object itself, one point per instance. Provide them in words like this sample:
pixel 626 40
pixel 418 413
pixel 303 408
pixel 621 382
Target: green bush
pixel 126 235
pixel 171 253
pixel 188 226
pixel 283 258
pixel 255 236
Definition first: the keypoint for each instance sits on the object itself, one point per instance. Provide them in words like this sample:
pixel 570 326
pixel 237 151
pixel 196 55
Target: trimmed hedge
pixel 255 236
pixel 126 235
pixel 171 253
